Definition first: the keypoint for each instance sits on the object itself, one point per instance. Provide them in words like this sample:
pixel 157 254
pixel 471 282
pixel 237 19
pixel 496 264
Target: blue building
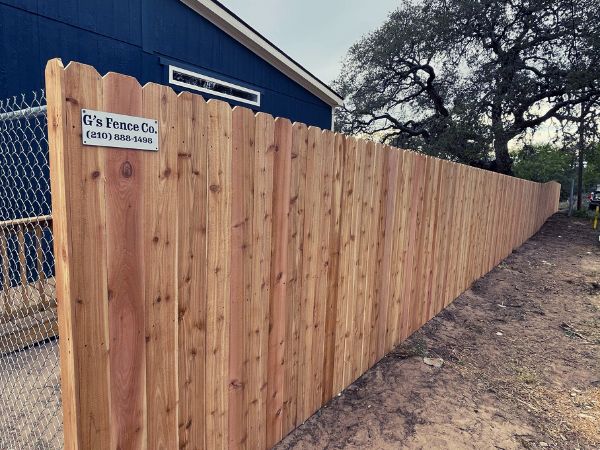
pixel 196 45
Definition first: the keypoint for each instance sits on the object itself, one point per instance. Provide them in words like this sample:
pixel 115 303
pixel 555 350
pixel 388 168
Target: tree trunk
pixel 503 159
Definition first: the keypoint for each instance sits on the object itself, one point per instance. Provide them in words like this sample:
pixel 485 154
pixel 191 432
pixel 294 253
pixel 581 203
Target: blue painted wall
pixel 138 38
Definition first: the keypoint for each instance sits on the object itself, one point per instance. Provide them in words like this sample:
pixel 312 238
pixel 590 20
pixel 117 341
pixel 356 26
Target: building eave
pixel 229 23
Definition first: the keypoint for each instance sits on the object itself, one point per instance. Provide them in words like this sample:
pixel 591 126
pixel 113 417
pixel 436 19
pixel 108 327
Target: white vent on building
pixel 203 83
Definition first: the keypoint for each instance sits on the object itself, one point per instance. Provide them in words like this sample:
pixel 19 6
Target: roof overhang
pixel 246 35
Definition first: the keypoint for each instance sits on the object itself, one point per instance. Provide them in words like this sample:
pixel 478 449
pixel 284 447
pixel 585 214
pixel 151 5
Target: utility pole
pixel 571 197
pixel 581 149
pixel 585 110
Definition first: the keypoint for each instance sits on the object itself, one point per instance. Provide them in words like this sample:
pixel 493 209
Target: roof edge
pixel 228 22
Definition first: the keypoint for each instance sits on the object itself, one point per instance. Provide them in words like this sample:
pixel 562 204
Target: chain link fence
pixel 31 416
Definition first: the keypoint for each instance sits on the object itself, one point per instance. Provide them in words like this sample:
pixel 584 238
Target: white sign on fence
pixel 117 130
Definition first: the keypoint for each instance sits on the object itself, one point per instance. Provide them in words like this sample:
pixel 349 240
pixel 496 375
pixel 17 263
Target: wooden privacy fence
pixel 216 293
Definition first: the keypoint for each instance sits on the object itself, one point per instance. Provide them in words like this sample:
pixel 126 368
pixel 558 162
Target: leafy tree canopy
pixel 545 163
pixel 548 162
pixel 461 78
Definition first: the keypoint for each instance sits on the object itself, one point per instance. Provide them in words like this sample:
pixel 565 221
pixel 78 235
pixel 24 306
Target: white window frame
pixel 210 91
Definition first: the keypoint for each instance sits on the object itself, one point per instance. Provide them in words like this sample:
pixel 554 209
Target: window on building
pixel 203 83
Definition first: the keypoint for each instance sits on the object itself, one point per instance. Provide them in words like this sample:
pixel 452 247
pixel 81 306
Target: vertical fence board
pixel 160 277
pixel 325 158
pixel 384 247
pixel 218 273
pixel 78 204
pixel 464 237
pixel 439 260
pixel 191 171
pixel 311 340
pixel 294 282
pixel 306 275
pixel 355 288
pixel 457 232
pixel 242 204
pixel 407 289
pixel 278 280
pixel 421 249
pixel 403 209
pixel 261 264
pixel 450 235
pixel 124 172
pixel 343 323
pixel 432 264
pixel 364 305
pixel 336 146
pixel 387 266
pixel 364 260
pixel 375 233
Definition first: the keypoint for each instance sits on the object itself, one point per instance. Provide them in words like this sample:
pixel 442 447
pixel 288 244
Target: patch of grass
pixel 571 333
pixel 591 329
pixel 582 214
pixel 526 375
pixel 414 347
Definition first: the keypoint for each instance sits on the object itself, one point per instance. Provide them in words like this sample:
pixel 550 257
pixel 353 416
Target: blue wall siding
pixel 133 37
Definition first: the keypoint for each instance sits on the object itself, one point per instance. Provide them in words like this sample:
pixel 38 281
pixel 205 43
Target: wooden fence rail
pixel 216 293
pixel 27 299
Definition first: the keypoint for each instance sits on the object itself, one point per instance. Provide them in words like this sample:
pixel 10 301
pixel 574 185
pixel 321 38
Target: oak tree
pixel 462 78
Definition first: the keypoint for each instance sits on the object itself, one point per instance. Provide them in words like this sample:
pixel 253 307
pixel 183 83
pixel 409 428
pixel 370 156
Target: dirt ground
pixel 31 415
pixel 521 353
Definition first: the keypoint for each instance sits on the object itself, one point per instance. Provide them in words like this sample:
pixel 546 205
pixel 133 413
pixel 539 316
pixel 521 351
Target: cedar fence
pixel 216 293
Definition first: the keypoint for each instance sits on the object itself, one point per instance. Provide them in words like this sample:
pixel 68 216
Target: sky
pixel 316 33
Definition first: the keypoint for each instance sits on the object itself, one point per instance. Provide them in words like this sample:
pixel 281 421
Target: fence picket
pixel 294 281
pixel 333 268
pixel 78 187
pixel 242 201
pixel 343 311
pixel 219 152
pixel 192 262
pixel 278 280
pixel 125 244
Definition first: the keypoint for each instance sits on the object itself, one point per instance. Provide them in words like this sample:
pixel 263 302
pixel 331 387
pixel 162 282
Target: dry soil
pixel 521 351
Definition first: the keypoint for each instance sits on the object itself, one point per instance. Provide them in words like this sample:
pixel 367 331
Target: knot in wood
pixel 126 169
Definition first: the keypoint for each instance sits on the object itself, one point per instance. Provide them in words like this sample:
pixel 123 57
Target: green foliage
pixel 545 163
pixel 582 214
pixel 591 173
